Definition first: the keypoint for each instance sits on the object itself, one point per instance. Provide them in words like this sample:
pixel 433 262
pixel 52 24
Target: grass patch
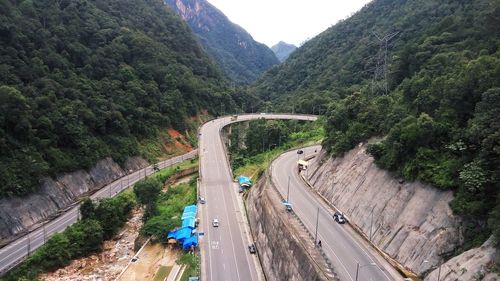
pixel 191 262
pixel 256 165
pixel 162 273
pixel 153 148
pixel 253 166
pixel 164 174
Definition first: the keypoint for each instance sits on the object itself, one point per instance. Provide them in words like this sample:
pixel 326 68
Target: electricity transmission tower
pixel 380 72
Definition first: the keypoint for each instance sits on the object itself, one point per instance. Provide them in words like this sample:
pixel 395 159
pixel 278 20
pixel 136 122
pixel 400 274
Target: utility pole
pixel 371 224
pixel 29 244
pixel 357 270
pixel 288 192
pixel 44 233
pixel 316 232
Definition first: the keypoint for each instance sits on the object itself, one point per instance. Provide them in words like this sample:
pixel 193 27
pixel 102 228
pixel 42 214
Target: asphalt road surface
pixel 224 249
pixel 342 249
pixel 15 252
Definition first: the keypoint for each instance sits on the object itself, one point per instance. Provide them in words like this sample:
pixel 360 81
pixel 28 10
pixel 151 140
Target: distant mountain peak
pixel 282 50
pixel 237 53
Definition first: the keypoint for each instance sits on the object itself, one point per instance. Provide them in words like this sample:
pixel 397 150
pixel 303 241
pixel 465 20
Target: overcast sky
pixel 292 21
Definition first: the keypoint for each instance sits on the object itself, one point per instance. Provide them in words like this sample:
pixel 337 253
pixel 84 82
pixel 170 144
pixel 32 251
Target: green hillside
pixel 85 79
pixel 439 117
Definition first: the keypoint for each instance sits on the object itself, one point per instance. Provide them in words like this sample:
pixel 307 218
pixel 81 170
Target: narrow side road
pixel 349 256
pixel 15 252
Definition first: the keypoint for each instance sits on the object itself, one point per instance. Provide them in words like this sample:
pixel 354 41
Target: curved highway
pixel 15 252
pixel 347 255
pixel 224 249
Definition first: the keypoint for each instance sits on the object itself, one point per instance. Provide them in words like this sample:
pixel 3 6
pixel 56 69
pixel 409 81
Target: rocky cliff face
pixel 242 58
pixel 410 221
pixel 20 214
pixel 474 264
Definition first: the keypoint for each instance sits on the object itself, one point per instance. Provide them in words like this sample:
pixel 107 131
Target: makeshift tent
pixel 188 216
pixel 190 209
pixel 189 212
pixel 191 241
pixel 180 234
pixel 244 181
pixel 189 222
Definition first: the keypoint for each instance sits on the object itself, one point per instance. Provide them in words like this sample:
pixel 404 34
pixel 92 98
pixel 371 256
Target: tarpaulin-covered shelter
pixel 189 212
pixel 180 234
pixel 189 222
pixel 191 241
pixel 188 215
pixel 191 208
pixel 244 181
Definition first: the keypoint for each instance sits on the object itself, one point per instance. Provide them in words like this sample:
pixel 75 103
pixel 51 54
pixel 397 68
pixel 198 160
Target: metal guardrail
pixel 114 187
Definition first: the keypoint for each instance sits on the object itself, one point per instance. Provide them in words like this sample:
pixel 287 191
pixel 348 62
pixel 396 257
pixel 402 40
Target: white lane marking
pixel 301 215
pixel 314 200
pixel 205 188
pixel 308 225
pixel 227 222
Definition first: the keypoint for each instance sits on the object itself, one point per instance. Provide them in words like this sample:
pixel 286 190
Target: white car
pixel 215 223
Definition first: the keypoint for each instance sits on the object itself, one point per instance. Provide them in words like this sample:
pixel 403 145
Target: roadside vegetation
pixel 163 210
pixel 254 147
pixel 191 262
pixel 102 219
pixel 435 104
pixel 99 221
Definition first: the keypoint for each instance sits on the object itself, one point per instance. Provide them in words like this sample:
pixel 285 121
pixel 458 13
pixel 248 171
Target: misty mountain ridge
pixel 240 57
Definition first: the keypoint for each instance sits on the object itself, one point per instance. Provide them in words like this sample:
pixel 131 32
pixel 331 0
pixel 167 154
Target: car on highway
pixel 339 217
pixel 252 249
pixel 215 223
pixel 300 151
pixel 202 200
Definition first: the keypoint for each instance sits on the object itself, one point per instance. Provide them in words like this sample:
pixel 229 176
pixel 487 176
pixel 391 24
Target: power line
pixel 380 71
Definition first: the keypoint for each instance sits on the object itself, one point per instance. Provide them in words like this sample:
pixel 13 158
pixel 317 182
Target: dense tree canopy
pixel 435 105
pixel 81 80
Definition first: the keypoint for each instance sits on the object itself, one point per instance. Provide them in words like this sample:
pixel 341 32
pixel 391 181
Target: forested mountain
pixel 282 50
pixel 433 96
pixel 242 58
pixel 85 79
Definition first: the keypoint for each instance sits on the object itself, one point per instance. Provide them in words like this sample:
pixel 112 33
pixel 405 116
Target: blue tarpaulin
pixel 188 216
pixel 172 234
pixel 189 222
pixel 190 209
pixel 244 181
pixel 191 241
pixel 181 234
pixel 189 212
